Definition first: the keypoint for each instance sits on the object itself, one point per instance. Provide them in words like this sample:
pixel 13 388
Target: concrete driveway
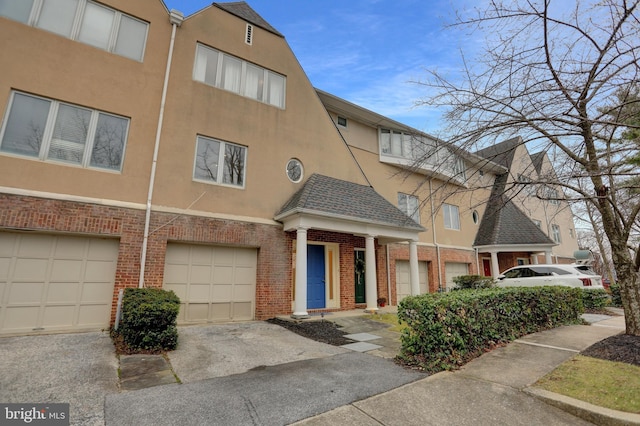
pixel 79 369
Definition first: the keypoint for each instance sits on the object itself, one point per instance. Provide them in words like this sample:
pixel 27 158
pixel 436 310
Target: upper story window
pixel 413 150
pixel 56 131
pixel 410 205
pixel 342 122
pixel 451 216
pixel 220 162
pixel 555 233
pixel 84 21
pixel 227 72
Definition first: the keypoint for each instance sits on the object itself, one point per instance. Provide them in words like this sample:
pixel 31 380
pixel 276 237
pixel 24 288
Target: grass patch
pixel 391 319
pixel 607 384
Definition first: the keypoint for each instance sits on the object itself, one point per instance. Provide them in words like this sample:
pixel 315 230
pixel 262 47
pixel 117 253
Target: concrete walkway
pixel 493 389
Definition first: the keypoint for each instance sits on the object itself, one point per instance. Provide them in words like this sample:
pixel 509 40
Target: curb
pixel 589 412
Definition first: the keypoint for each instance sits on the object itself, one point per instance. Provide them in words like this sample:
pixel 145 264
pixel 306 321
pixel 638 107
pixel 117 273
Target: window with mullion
pixel 227 72
pixel 219 162
pixel 54 131
pixel 82 20
pixel 410 205
pixel 451 216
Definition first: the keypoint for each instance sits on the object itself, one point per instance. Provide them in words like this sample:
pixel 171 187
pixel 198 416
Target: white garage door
pixel 54 283
pixel 403 278
pixel 452 270
pixel 213 283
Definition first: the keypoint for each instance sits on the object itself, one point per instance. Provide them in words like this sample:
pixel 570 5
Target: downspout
pixel 175 18
pixel 435 236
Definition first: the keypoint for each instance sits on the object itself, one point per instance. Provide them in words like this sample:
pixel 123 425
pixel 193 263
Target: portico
pixel 328 204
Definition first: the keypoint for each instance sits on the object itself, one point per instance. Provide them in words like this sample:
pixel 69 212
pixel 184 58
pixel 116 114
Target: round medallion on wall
pixel 295 171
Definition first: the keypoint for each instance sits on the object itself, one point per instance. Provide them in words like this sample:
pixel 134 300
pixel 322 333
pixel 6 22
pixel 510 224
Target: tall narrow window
pixel 58 16
pixel 555 233
pixel 16 10
pixel 410 205
pixel 451 216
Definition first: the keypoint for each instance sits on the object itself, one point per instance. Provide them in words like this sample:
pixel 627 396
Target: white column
pixel 371 284
pixel 495 268
pixel 414 272
pixel 534 258
pixel 300 302
pixel 547 257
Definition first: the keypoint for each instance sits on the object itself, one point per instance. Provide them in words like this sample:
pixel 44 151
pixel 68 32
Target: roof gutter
pixel 175 18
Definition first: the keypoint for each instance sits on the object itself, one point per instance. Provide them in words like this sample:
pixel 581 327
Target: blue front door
pixel 315 277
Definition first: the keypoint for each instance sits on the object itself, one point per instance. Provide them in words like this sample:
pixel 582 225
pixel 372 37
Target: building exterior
pixel 528 219
pixel 140 148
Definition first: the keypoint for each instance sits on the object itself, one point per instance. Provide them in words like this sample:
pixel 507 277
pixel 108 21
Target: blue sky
pixel 367 51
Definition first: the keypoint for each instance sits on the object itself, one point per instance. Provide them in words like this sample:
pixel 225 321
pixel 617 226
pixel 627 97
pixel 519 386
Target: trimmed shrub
pixel 464 282
pixel 446 330
pixel 616 298
pixel 148 320
pixel 595 299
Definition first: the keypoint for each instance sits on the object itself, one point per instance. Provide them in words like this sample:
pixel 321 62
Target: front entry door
pixel 360 274
pixel 315 277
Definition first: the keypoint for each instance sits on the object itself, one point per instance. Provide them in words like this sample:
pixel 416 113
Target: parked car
pixel 541 275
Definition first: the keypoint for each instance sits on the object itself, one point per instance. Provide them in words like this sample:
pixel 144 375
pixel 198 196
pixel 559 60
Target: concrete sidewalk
pixel 493 389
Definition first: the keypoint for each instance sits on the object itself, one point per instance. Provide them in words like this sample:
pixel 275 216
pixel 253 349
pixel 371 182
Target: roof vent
pixel 249 35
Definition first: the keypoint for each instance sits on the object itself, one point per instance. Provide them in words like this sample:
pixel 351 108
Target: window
pixel 55 131
pixel 410 205
pixel 571 234
pixel 555 233
pixel 84 21
pixel 227 72
pixel 342 121
pixel 475 216
pixel 451 216
pixel 219 162
pixel 552 195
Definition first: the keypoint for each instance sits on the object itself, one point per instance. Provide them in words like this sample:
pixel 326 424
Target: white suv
pixel 540 275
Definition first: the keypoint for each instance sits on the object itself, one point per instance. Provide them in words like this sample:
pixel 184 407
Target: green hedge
pixel 616 298
pixel 446 330
pixel 473 282
pixel 148 320
pixel 595 299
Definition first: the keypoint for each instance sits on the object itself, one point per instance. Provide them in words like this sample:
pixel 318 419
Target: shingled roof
pixel 243 11
pixel 327 196
pixel 504 223
pixel 503 152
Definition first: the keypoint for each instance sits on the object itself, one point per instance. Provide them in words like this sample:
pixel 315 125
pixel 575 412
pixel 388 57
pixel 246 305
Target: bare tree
pixel 550 73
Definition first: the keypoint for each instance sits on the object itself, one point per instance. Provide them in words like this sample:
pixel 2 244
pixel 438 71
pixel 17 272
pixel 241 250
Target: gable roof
pixel 330 197
pixel 503 152
pixel 504 223
pixel 243 11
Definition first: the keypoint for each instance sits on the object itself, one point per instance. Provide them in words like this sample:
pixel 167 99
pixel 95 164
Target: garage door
pixel 55 283
pixel 403 278
pixel 452 270
pixel 213 283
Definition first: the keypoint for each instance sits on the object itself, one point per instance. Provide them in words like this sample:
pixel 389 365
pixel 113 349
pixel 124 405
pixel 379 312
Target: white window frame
pixel 451 216
pixel 555 233
pixel 410 205
pixel 220 166
pixel 78 19
pixel 199 74
pixel 47 134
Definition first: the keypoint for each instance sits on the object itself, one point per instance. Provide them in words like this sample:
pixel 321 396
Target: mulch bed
pixel 321 331
pixel 618 348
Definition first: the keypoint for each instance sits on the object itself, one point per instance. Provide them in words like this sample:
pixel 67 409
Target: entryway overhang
pixel 329 204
